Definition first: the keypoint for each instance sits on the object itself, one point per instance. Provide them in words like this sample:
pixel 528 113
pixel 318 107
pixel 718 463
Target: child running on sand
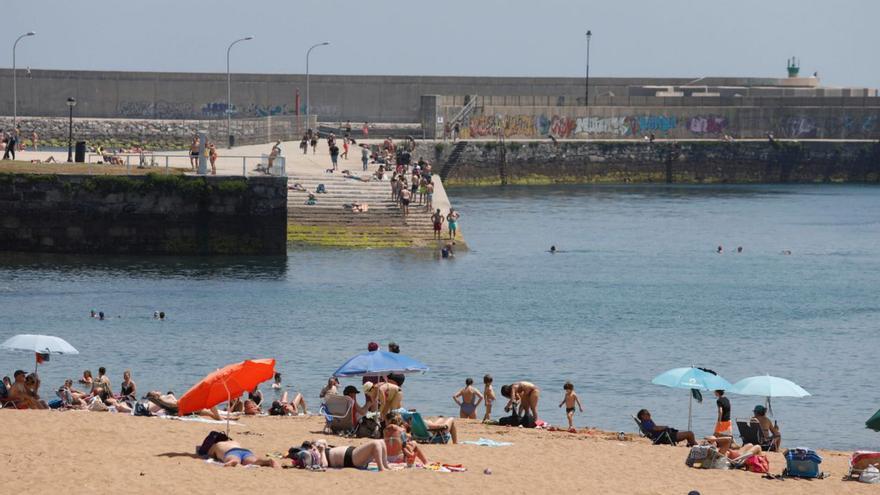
pixel 570 400
pixel 488 396
pixel 470 399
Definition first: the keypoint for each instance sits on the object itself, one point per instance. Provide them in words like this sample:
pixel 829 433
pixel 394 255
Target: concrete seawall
pixel 143 215
pixel 542 162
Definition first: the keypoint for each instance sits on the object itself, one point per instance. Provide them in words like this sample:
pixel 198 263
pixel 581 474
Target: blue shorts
pixel 240 454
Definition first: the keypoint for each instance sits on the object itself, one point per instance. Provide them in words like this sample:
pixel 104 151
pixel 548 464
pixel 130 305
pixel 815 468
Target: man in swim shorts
pixel 437 219
pixel 232 454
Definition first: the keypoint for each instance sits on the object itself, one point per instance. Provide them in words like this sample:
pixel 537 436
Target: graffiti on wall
pixel 798 127
pixel 615 126
pixel 645 124
pixel 511 125
pixel 707 124
pixel 217 109
pixel 155 110
pixel 852 126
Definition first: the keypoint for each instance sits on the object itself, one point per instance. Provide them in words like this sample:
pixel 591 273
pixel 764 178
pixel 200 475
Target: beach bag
pixel 706 457
pixel 870 475
pixel 802 462
pixel 758 464
pixel 368 428
pixel 512 420
pixel 321 189
pixel 142 409
pixel 861 459
pixel 209 441
pixel 527 421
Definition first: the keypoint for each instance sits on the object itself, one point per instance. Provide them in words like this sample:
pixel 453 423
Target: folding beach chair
pixel 422 434
pixel 338 411
pixel 656 437
pixel 750 432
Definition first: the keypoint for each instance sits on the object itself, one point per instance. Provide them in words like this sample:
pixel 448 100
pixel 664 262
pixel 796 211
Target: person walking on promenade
pixel 437 220
pixel 34 138
pixel 345 148
pixel 334 155
pixel 365 156
pixel 313 140
pixel 455 131
pixel 212 155
pixel 304 144
pixel 366 130
pixel 452 222
pixel 10 145
pixel 276 150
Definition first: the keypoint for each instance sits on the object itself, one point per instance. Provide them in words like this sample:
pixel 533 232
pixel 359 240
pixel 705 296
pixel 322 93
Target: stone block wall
pixel 180 215
pixel 642 162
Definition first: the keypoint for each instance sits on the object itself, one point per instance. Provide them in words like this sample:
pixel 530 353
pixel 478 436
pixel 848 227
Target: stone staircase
pixel 329 223
pixel 452 160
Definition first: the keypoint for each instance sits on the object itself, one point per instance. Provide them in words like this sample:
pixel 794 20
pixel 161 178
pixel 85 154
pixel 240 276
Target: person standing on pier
pixel 452 222
pixel 334 155
pixel 437 219
pixel 365 156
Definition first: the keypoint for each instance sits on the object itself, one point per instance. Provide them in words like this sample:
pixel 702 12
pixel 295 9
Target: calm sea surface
pixel 637 290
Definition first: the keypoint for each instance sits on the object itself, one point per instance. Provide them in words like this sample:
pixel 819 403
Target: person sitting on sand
pixel 32 384
pixel 440 423
pixel 653 430
pixel 339 457
pixel 231 454
pixel 397 442
pixel 768 428
pixel 20 395
pixel 330 388
pixel 357 411
pixel 128 389
pixel 470 399
pixel 524 395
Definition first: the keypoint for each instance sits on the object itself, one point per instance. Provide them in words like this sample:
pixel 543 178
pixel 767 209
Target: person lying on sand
pixel 318 454
pixel 168 404
pixel 649 426
pixel 726 446
pixel 284 407
pixel 523 394
pixel 231 454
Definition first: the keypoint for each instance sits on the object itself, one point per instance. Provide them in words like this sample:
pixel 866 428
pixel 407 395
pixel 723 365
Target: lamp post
pixel 587 76
pixel 308 108
pixel 71 102
pixel 14 86
pixel 229 90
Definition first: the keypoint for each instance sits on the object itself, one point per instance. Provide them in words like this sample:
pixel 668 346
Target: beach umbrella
pixel 225 384
pixel 768 386
pixel 41 345
pixel 379 363
pixel 874 422
pixel 691 378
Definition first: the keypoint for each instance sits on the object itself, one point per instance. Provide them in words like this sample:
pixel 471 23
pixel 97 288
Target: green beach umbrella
pixel 874 422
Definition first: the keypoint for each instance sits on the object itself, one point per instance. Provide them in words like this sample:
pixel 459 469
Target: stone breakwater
pixel 542 162
pixel 151 214
pixel 154 134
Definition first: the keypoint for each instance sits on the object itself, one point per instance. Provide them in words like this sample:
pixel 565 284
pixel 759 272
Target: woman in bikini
pixel 342 457
pixel 470 399
pixel 397 443
pixel 524 395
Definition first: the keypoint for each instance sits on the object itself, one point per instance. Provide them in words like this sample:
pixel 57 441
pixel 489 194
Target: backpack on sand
pixel 706 457
pixel 368 428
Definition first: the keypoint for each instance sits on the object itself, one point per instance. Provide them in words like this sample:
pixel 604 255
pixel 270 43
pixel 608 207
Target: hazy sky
pixel 686 38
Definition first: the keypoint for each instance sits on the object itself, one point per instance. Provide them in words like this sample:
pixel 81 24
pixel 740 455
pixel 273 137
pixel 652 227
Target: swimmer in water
pixel 739 249
pixel 719 250
pixel 786 252
pixel 552 249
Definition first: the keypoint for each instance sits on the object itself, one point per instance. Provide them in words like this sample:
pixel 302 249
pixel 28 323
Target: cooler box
pixel 802 462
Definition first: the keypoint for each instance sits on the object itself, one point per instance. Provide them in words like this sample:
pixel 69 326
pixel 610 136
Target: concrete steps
pixel 328 223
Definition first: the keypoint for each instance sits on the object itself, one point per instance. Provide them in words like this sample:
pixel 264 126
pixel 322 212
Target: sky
pixel 668 38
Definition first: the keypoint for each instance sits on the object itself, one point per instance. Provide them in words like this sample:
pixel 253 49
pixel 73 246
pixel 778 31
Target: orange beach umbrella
pixel 225 384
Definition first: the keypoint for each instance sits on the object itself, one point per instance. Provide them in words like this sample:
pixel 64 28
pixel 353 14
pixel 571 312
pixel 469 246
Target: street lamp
pixel 229 90
pixel 308 108
pixel 587 77
pixel 14 86
pixel 71 102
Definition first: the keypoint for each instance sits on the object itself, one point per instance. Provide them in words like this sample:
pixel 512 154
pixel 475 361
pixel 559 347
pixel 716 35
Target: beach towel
pixel 487 442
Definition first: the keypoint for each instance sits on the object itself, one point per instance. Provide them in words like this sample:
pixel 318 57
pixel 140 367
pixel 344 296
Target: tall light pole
pixel 587 77
pixel 14 86
pixel 71 102
pixel 229 90
pixel 308 108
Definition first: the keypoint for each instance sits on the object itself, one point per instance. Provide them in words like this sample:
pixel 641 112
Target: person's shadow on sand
pixel 178 454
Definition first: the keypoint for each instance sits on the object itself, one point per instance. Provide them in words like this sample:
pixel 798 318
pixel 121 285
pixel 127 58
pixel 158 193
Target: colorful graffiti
pixel 616 126
pixel 707 124
pixel 798 127
pixel 644 124
pixel 511 125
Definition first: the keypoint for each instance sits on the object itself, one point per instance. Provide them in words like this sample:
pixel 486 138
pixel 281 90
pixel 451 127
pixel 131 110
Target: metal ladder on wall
pixel 465 111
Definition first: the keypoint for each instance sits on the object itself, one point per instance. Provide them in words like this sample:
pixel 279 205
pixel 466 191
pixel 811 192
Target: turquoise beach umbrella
pixel 691 378
pixel 768 386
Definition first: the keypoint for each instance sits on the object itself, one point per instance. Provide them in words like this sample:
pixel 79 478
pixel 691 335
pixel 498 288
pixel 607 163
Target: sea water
pixel 636 288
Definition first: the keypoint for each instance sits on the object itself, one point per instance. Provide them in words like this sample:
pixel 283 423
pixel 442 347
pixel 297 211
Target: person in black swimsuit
pixel 129 388
pixel 340 457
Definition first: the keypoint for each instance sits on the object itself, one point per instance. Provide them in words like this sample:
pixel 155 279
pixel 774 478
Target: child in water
pixel 488 396
pixel 570 400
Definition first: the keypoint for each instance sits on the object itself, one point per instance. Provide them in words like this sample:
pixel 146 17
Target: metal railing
pixel 166 162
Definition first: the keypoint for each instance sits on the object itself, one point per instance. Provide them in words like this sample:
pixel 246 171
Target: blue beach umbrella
pixel 691 378
pixel 379 363
pixel 768 386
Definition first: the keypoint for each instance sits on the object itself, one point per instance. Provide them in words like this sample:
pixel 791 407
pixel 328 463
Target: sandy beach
pixel 86 452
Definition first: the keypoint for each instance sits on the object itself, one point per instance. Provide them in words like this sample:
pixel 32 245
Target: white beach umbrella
pixel 38 344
